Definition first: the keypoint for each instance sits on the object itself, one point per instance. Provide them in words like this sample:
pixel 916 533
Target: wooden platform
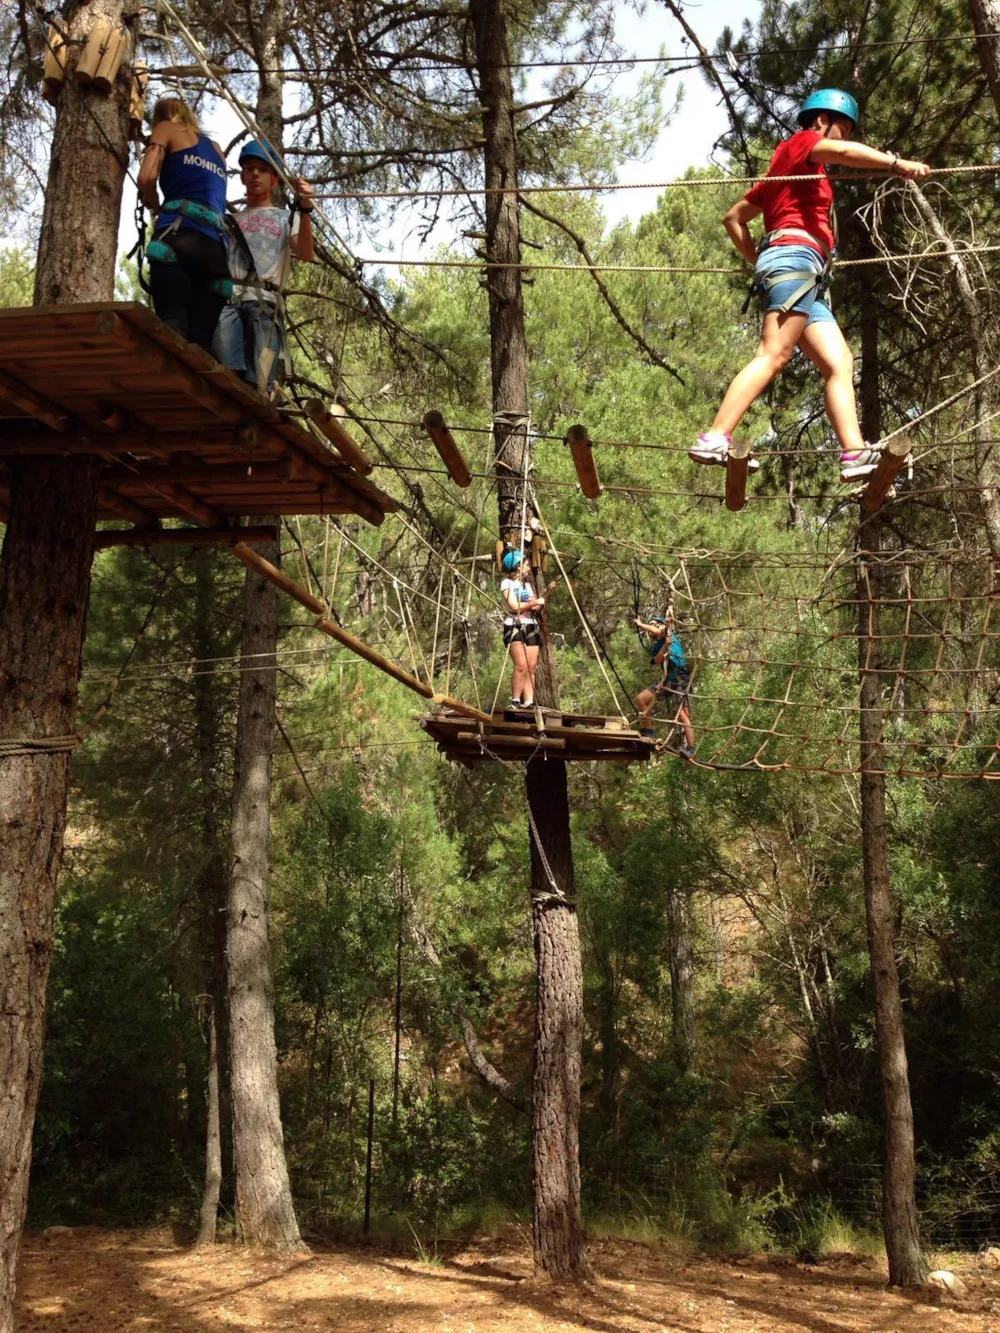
pixel 522 735
pixel 181 436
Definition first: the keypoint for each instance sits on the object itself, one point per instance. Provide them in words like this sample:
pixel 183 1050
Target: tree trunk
pixel 265 1213
pixel 213 1136
pixel 899 1207
pixel 44 593
pixel 557 1227
pixel 986 19
pixel 557 1223
pixel 212 884
pixel 681 977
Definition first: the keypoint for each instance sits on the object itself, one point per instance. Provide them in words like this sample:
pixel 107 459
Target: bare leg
pixel 644 702
pixel 778 338
pixel 530 663
pixel 519 680
pixel 684 718
pixel 827 349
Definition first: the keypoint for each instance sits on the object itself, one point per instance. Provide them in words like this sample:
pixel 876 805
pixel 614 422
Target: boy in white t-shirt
pixel 250 331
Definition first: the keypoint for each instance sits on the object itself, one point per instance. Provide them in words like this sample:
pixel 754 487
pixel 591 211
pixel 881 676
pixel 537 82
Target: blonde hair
pixel 177 110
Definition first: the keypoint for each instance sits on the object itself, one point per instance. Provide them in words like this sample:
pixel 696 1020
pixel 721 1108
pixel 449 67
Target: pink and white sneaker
pixel 862 463
pixel 712 446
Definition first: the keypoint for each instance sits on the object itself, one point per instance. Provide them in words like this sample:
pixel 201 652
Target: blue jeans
pixel 779 259
pixel 248 340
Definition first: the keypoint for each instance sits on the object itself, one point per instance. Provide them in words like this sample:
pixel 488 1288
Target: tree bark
pixel 557 1230
pixel 213 1135
pixel 212 884
pixel 265 1212
pixel 44 594
pixel 900 1221
pixel 557 1222
pixel 986 19
pixel 681 977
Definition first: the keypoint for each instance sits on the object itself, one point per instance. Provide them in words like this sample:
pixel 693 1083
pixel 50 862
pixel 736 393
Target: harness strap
pixel 191 208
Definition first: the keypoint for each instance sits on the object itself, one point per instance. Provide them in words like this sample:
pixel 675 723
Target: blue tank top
pixel 676 657
pixel 197 173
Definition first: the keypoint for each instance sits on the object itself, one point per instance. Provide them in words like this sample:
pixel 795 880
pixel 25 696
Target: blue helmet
pixel 260 149
pixel 833 100
pixel 511 561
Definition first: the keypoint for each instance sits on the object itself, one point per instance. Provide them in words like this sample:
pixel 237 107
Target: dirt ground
pixel 116 1281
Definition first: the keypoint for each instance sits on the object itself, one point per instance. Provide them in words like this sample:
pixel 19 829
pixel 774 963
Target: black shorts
pixel 526 633
pixel 676 689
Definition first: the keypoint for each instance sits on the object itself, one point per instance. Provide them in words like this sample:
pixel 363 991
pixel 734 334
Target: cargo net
pixel 779 645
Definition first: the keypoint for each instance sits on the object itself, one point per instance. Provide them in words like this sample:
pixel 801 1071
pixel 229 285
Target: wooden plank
pixel 197 476
pixel 737 465
pixel 33 403
pixel 184 536
pixel 894 455
pixel 503 742
pixel 125 508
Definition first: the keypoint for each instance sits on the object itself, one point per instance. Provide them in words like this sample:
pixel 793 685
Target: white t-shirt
pixel 268 233
pixel 523 592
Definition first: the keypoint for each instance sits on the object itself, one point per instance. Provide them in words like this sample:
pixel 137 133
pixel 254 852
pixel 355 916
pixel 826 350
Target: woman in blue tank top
pixel 187 255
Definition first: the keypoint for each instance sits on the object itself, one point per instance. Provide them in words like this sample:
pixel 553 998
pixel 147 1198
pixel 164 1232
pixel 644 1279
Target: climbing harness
pixel 807 278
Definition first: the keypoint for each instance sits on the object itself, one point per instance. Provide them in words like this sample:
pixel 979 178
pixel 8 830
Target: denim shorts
pixel 778 259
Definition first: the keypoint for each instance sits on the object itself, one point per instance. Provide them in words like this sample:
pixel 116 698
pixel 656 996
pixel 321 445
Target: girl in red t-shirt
pixel 791 269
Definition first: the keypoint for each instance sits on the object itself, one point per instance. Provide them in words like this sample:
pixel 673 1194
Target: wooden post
pixel 894 455
pixel 55 64
pixel 444 442
pixel 333 429
pixel 101 36
pixel 368 1158
pixel 578 439
pixel 736 475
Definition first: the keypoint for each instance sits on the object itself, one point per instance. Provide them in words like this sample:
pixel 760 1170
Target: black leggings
pixel 182 296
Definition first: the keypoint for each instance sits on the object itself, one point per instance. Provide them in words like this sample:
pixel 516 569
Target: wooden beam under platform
pixel 180 434
pixel 259 533
pixel 518 735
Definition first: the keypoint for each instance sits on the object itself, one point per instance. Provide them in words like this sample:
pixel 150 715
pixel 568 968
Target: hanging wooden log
pixel 55 64
pixel 137 100
pixel 332 427
pixel 115 52
pixel 894 455
pixel 444 442
pixel 578 439
pixel 94 51
pixel 737 466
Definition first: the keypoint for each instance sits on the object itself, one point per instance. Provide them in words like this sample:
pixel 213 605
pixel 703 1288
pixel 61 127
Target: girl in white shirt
pixel 520 627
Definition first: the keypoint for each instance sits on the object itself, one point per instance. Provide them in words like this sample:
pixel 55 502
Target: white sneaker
pixel 860 464
pixel 711 446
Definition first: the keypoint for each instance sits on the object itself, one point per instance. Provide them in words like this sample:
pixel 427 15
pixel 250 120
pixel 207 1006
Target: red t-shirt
pixel 789 204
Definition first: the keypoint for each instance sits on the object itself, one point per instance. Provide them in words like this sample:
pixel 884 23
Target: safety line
pixel 454 65
pixel 531 266
pixel 677 183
